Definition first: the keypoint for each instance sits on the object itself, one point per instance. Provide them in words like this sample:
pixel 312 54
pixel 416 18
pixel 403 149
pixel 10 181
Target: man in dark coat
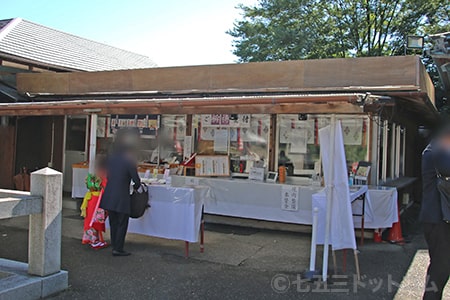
pixel 437 232
pixel 121 169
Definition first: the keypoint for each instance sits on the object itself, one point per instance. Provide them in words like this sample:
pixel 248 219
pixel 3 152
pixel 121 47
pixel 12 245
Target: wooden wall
pixel 34 135
pixel 7 148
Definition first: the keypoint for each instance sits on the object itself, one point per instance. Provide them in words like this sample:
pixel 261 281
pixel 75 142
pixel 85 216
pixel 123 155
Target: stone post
pixel 44 241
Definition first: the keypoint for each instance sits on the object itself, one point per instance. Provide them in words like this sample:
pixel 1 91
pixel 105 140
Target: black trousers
pixel 119 226
pixel 438 240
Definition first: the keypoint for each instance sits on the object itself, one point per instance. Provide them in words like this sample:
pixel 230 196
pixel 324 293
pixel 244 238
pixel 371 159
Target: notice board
pixel 212 165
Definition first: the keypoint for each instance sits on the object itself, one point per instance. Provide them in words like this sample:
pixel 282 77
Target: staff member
pixel 121 169
pixel 436 158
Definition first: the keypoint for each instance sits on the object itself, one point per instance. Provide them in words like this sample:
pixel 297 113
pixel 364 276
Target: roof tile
pixel 31 41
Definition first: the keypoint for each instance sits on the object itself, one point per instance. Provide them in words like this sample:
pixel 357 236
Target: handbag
pixel 443 186
pixel 139 201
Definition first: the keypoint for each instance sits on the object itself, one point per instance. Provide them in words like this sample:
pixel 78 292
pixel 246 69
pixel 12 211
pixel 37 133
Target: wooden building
pixel 393 97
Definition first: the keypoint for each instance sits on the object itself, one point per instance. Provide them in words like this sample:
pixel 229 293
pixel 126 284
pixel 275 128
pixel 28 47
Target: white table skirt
pixel 256 200
pixel 175 213
pixel 381 210
pixel 261 201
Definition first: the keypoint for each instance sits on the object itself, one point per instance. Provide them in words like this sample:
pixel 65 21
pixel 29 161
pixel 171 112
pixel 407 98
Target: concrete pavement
pixel 238 263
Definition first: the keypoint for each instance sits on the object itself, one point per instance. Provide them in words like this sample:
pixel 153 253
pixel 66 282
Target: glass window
pixel 171 138
pixel 298 141
pixel 244 137
pixel 76 134
pixel 162 137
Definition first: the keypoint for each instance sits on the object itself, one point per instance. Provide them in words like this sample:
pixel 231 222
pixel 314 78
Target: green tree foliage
pixel 303 29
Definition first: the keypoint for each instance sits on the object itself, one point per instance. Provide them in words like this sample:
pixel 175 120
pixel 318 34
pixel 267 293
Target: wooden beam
pixel 303 75
pixel 307 108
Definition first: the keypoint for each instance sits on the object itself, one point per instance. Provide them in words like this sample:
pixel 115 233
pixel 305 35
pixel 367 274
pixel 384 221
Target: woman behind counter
pixel 121 169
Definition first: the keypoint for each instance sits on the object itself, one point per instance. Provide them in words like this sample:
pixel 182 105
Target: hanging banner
pixel 147 124
pixel 226 120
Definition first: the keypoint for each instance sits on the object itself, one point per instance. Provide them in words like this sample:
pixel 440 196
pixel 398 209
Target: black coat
pixel 120 171
pixel 431 211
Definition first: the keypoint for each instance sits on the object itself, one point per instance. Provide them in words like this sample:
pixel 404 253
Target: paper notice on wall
pixel 246 135
pixel 285 135
pixel 299 139
pixel 310 127
pixel 187 149
pixel 289 197
pixel 233 134
pixel 221 140
pixel 206 120
pixel 352 131
pixel 207 133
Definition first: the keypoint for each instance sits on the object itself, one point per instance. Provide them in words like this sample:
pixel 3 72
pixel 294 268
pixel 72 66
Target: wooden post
pixel 188 125
pixel 272 142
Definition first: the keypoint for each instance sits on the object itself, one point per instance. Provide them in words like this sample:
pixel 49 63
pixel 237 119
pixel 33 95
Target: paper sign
pixel 298 141
pixel 289 198
pixel 187 150
pixel 221 140
pixel 256 174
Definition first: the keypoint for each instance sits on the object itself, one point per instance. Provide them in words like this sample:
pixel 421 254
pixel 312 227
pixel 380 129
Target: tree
pixel 302 29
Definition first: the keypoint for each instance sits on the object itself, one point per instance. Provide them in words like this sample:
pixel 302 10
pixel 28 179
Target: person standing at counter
pixel 435 213
pixel 121 169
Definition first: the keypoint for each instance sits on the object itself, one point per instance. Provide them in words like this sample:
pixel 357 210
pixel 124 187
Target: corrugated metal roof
pixel 31 41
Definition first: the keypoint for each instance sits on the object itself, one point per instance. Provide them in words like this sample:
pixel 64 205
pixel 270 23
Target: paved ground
pixel 238 263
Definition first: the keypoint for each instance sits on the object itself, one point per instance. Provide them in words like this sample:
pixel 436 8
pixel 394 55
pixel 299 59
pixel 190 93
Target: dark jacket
pixel 120 171
pixel 431 211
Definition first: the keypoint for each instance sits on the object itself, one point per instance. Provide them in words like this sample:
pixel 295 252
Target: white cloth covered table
pixel 256 200
pixel 175 213
pixel 380 212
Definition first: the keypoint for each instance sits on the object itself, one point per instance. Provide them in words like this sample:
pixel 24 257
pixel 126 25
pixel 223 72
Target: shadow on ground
pixel 238 263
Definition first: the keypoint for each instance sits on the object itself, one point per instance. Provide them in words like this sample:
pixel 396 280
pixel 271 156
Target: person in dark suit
pixel 436 158
pixel 121 169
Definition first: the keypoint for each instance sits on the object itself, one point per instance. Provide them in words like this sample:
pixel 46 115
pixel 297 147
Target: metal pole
pixel 312 259
pixel 330 190
pixel 384 157
pixel 93 143
pixel 397 151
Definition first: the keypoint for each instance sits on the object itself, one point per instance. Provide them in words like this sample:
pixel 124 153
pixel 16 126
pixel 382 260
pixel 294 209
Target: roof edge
pixel 10 26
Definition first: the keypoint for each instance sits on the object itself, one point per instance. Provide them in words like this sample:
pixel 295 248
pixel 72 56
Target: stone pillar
pixel 44 241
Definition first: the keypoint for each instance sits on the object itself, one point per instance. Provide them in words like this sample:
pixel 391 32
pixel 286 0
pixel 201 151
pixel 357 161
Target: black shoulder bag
pixel 139 201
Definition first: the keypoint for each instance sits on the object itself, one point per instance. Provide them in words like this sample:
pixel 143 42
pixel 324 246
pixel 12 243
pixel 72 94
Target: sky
pixel 170 32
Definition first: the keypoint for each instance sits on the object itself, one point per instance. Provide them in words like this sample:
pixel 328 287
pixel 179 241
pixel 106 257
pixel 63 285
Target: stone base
pixel 16 283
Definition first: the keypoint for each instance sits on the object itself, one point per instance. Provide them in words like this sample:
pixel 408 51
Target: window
pixel 244 137
pixel 298 141
pixel 392 151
